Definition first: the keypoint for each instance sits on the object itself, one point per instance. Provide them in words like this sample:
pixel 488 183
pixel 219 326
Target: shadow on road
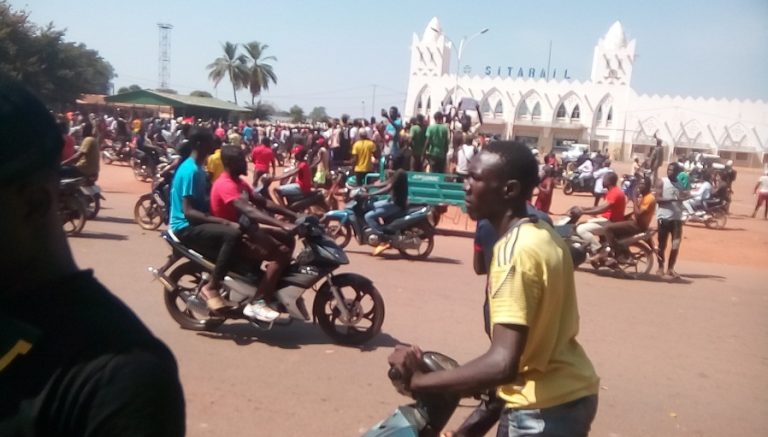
pixel 649 277
pixel 115 220
pixel 293 336
pixel 701 276
pixel 100 236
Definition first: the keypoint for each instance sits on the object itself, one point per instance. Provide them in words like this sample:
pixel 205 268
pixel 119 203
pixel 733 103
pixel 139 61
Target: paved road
pixel 687 358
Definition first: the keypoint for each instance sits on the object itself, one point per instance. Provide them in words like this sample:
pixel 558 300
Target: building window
pixel 576 113
pixel 609 119
pixel 561 111
pixel 599 116
pixel 523 110
pixel 429 103
pixel 536 110
pixel 742 156
pixel 486 108
pixel 499 109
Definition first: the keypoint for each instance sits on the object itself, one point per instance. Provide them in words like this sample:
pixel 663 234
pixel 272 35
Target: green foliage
pixel 57 70
pixel 134 87
pixel 167 90
pixel 260 73
pixel 198 93
pixel 123 90
pixel 232 65
pixel 296 114
pixel 262 111
pixel 318 114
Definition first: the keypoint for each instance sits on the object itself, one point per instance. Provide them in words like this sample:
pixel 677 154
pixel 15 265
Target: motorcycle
pixel 142 162
pixel 72 207
pixel 633 255
pixel 575 184
pixel 347 306
pixel 151 210
pixel 411 232
pixel 117 151
pixel 91 194
pixel 428 415
pixel 713 214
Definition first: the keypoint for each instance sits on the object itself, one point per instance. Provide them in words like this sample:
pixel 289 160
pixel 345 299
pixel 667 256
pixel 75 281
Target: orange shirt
pixel 648 206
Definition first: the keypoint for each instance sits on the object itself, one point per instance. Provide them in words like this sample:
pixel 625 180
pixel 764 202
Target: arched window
pixel 609 119
pixel 576 113
pixel 419 106
pixel 486 108
pixel 499 109
pixel 523 110
pixel 536 110
pixel 599 114
pixel 561 111
pixel 429 103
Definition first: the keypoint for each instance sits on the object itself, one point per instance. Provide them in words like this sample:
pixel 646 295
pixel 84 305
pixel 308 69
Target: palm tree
pixel 232 65
pixel 260 73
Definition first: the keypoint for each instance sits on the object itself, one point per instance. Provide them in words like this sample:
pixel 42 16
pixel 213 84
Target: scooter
pixel 575 184
pixel 633 256
pixel 428 415
pixel 411 232
pixel 713 214
pixel 117 151
pixel 151 210
pixel 347 306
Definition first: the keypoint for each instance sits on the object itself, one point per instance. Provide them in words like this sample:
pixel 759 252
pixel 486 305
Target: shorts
pixel 290 190
pixel 762 197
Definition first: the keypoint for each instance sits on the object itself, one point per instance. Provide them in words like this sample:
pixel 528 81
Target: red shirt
pixel 223 194
pixel 262 157
pixel 69 147
pixel 304 177
pixel 618 203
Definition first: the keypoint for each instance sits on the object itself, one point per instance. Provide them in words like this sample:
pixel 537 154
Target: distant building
pixel 605 112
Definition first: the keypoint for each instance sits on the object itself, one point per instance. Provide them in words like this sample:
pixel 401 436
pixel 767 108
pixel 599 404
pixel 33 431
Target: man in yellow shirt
pixel 363 152
pixel 545 378
pixel 213 165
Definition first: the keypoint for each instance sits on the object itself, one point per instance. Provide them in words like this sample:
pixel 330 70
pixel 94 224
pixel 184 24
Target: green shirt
pixel 418 139
pixel 437 140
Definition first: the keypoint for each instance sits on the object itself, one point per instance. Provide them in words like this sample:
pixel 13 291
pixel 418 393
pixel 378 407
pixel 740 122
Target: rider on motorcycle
pixel 585 169
pixel 303 173
pixel 397 184
pixel 233 199
pixel 86 159
pixel 612 210
pixel 700 194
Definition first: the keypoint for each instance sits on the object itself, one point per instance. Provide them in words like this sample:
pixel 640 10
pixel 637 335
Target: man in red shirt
pixel 611 210
pixel 262 157
pixel 234 200
pixel 303 173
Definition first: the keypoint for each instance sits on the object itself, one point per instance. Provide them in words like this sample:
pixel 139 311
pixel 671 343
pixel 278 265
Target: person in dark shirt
pixel 397 186
pixel 74 360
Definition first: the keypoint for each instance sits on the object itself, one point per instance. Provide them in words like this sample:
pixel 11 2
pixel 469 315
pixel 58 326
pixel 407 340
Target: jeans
pixel 381 210
pixel 586 231
pixel 572 419
pixel 213 241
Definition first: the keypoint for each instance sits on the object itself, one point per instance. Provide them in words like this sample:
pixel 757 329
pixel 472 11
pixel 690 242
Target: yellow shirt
pixel 88 163
pixel 531 284
pixel 647 204
pixel 363 151
pixel 214 165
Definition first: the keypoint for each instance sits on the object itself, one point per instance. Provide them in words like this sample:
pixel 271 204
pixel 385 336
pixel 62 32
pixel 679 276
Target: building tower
pixel 164 58
pixel 614 58
pixel 430 55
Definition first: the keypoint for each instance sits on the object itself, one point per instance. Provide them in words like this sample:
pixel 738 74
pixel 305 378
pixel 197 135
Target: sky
pixel 353 56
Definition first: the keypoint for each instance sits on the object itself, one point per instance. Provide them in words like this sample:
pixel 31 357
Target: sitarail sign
pixel 533 72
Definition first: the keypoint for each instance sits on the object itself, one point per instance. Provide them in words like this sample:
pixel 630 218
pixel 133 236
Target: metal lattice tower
pixel 164 58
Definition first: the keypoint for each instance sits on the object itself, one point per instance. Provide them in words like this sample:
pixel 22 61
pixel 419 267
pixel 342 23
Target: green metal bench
pixel 435 189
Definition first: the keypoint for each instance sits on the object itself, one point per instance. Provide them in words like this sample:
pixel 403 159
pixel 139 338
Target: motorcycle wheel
pixel 106 159
pixel 568 188
pixel 339 233
pixel 717 220
pixel 73 215
pixel 146 213
pixel 186 279
pixel 638 261
pixel 363 301
pixel 427 236
pixel 94 206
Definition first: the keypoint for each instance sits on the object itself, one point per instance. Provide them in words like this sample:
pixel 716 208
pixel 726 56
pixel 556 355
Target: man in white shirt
pixel 465 152
pixel 699 194
pixel 585 169
pixel 761 191
pixel 599 174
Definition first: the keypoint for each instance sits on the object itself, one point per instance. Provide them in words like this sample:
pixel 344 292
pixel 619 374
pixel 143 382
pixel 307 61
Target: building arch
pixel 604 106
pixel 528 103
pixel 565 106
pixel 494 104
pixel 423 101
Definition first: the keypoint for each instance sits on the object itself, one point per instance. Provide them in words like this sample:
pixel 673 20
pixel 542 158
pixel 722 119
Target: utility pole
pixel 549 58
pixel 164 57
pixel 373 102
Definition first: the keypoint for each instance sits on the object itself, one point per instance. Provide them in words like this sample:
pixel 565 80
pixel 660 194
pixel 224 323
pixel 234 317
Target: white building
pixel 604 112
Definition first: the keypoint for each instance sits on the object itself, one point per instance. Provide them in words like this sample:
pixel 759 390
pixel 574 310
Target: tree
pixel 58 71
pixel 167 90
pixel 260 73
pixel 232 65
pixel 318 114
pixel 198 93
pixel 296 114
pixel 262 111
pixel 123 90
pixel 134 87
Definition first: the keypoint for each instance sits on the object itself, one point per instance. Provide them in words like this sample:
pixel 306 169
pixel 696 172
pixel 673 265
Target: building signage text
pixel 533 72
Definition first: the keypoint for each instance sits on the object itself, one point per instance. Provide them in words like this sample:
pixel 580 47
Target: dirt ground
pixel 688 358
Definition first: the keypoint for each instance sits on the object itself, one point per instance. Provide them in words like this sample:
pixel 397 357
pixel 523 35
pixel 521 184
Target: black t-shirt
pixel 75 361
pixel 400 189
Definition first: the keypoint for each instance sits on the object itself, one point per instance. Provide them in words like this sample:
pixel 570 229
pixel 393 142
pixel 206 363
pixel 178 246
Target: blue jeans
pixel 381 210
pixel 572 419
